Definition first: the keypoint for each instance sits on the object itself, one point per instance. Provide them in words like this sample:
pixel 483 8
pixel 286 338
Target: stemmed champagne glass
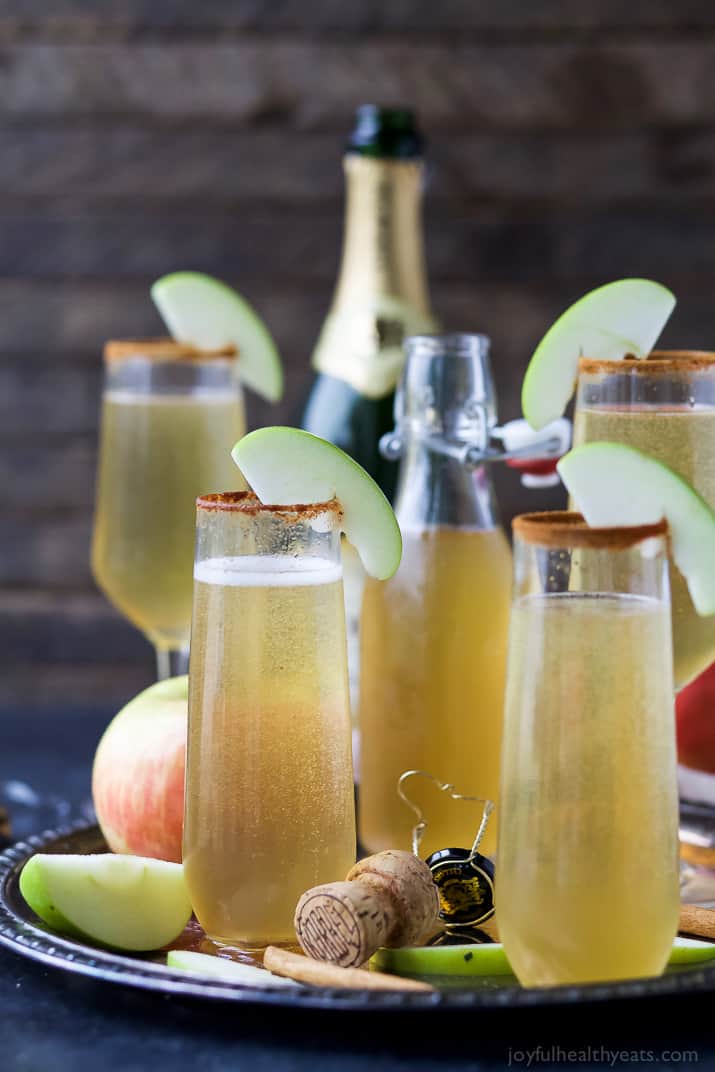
pixel 170 415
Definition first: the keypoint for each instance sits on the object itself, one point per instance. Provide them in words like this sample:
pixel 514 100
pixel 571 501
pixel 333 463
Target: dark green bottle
pixel 381 293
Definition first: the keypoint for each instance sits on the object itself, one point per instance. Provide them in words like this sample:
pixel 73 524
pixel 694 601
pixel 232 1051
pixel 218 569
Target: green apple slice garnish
pixel 487 959
pixel 490 958
pixel 227 970
pixel 126 902
pixel 207 313
pixel 625 317
pixel 285 466
pixel 614 485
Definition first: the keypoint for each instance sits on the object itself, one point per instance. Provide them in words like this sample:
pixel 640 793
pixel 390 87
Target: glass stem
pixel 171 662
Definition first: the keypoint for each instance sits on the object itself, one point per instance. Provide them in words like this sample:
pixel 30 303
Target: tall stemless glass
pixel 269 791
pixel 170 415
pixel 665 406
pixel 587 876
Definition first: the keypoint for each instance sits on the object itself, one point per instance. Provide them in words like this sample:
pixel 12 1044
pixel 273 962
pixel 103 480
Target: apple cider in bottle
pixel 434 637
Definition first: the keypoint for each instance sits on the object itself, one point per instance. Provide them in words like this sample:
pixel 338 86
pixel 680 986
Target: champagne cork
pixel 386 900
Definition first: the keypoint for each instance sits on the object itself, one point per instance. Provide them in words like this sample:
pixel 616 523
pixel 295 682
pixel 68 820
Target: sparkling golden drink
pixel 588 759
pixel 269 794
pixel 684 439
pixel 432 683
pixel 587 873
pixel 157 453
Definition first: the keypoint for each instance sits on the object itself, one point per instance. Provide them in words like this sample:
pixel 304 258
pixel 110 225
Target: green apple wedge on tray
pixel 124 902
pixel 491 960
pixel 207 313
pixel 227 971
pixel 624 317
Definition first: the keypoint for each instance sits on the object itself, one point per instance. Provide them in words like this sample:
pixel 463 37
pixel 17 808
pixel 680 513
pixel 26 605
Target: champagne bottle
pixel 381 293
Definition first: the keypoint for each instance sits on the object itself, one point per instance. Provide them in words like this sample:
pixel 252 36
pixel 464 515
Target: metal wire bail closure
pixel 464 878
pixel 418 830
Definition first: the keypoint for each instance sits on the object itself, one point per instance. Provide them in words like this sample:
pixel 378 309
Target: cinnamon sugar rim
pixel 245 502
pixel 163 349
pixel 564 528
pixel 656 363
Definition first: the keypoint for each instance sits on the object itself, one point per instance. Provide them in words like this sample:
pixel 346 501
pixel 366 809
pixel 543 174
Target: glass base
pixel 244 952
pixel 251 946
pixel 195 940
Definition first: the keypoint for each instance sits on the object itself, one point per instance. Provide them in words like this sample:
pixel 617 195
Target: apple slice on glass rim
pixel 614 485
pixel 624 317
pixel 126 902
pixel 285 466
pixel 207 313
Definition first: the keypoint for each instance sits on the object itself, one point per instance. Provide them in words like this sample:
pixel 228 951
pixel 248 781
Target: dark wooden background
pixel 571 142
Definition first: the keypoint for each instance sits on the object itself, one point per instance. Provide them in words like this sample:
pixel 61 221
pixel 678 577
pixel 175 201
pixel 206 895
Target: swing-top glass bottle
pixel 434 638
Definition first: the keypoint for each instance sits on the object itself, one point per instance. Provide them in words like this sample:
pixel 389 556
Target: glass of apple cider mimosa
pixel 269 794
pixel 665 406
pixel 170 414
pixel 587 877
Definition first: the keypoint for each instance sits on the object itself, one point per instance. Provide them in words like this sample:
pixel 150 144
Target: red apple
pixel 695 715
pixel 138 775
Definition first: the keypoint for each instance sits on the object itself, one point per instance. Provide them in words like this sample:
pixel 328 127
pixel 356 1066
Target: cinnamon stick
pixel 697 922
pixel 322 973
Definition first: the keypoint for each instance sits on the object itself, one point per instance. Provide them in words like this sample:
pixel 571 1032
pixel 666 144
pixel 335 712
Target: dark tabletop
pixel 54 1022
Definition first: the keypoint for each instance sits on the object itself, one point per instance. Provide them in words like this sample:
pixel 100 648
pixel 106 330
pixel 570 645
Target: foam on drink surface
pixel 205 395
pixel 267 571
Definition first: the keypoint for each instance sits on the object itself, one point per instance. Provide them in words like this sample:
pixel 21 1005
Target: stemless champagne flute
pixel 587 879
pixel 664 406
pixel 269 792
pixel 170 414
